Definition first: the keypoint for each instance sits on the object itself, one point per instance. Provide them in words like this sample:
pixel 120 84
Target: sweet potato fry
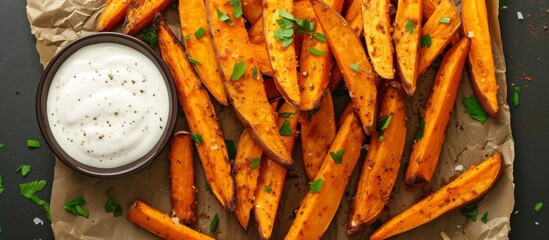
pixel 199 46
pixel 429 7
pixel 283 58
pixel 318 130
pixel 348 110
pixel 377 32
pixel 335 78
pixel 425 151
pixel 256 33
pixel 252 10
pixel 441 33
pixel 262 58
pixel 321 203
pixel 141 12
pixel 200 115
pixel 183 191
pixel 380 169
pixel 247 94
pixel 270 88
pixel 272 176
pixel 482 71
pixel 407 34
pixel 246 172
pixel 468 187
pixel 113 12
pixel 160 223
pixel 354 17
pixel 352 61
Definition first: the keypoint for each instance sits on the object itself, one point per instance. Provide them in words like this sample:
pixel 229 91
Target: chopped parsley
pixel 410 26
pixel 1 145
pixel 484 218
pixel 199 33
pixel 75 207
pixel 425 40
pixel 197 138
pixel 317 51
pixel 316 185
pixel 285 129
pixel 470 211
pixel 473 107
pixel 268 188
pixel 538 206
pixel 255 163
pixel 286 24
pixel 286 114
pixel 237 8
pixel 516 91
pixel 1 186
pixel 337 156
pixel 25 170
pixel 421 130
pixel 355 67
pixel 383 124
pixel 28 191
pixel 320 37
pixel 33 144
pixel 213 225
pixel 150 36
pixel 194 61
pixel 188 37
pixel 231 149
pixel 254 73
pixel 224 17
pixel 445 20
pixel 239 69
pixel 112 205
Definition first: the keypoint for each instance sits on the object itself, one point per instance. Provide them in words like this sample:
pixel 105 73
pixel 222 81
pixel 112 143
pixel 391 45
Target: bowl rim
pixel 43 91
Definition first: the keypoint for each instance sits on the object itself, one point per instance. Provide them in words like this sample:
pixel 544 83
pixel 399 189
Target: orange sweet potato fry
pixel 112 14
pixel 252 10
pixel 141 12
pixel 183 191
pixel 425 151
pixel 377 32
pixel 468 187
pixel 262 59
pixel 429 7
pixel 256 32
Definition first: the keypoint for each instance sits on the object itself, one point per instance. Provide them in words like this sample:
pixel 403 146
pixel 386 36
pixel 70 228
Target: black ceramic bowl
pixel 42 97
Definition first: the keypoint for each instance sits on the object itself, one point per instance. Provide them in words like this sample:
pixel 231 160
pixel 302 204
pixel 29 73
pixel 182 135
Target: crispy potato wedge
pixel 317 209
pixel 441 33
pixel 317 130
pixel 377 32
pixel 192 15
pixel 468 187
pixel 246 172
pixel 352 61
pixel 283 59
pixel 407 34
pixel 200 114
pixel 425 151
pixel 142 12
pixel 183 191
pixel 272 177
pixel 354 17
pixel 482 71
pixel 160 223
pixel 262 59
pixel 252 10
pixel 246 94
pixel 380 169
pixel 113 12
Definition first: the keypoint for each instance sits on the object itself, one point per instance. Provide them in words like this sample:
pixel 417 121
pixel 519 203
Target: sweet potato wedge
pixel 429 7
pixel 256 33
pixel 348 110
pixel 377 32
pixel 425 151
pixel 252 10
pixel 319 207
pixel 354 17
pixel 441 33
pixel 270 88
pixel 283 59
pixel 192 15
pixel 160 223
pixel 482 71
pixel 262 58
pixel 380 169
pixel 200 114
pixel 246 172
pixel 246 93
pixel 142 12
pixel 183 191
pixel 352 61
pixel 318 130
pixel 407 34
pixel 113 12
pixel 335 78
pixel 469 186
pixel 272 177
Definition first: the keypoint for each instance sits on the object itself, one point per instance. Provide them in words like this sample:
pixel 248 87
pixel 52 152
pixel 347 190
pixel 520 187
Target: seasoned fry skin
pixel 160 223
pixel 112 14
pixel 262 59
pixel 192 15
pixel 425 151
pixel 272 176
pixel 407 34
pixel 353 63
pixel 141 12
pixel 283 59
pixel 317 209
pixel 200 114
pixel 381 165
pixel 256 32
pixel 429 7
pixel 183 191
pixel 482 71
pixel 377 32
pixel 246 94
pixel 468 187
pixel 441 33
pixel 318 130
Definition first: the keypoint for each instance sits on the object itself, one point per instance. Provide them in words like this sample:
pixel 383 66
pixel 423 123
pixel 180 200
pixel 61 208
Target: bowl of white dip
pixel 106 105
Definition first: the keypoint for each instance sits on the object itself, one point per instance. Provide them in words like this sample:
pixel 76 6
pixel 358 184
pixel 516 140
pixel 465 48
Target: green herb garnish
pixel 410 26
pixel 516 96
pixel 224 17
pixel 484 218
pixel 28 191
pixel 473 107
pixel 231 148
pixel 194 61
pixel 538 206
pixel 337 156
pixel 425 40
pixel 33 143
pixel 197 138
pixel 421 130
pixel 315 185
pixel 213 225
pixel 239 69
pixel 286 114
pixel 1 186
pixel 355 67
pixel 112 205
pixel 268 188
pixel 254 73
pixel 317 51
pixel 237 8
pixel 320 37
pixel 150 36
pixel 382 124
pixel 285 129
pixel 199 33
pixel 75 207
pixel 25 169
pixel 255 163
pixel 470 211
pixel 445 20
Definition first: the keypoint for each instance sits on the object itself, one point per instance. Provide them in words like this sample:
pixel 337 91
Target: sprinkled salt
pixel 470 34
pixel 38 221
pixel 519 15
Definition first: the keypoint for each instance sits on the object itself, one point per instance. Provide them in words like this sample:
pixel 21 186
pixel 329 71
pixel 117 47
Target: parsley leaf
pixel 316 185
pixel 383 124
pixel 231 149
pixel 305 25
pixel 445 20
pixel 285 129
pixel 199 33
pixel 425 40
pixel 33 144
pixel 150 36
pixel 197 138
pixel 1 186
pixel 538 206
pixel 473 107
pixel 224 17
pixel 25 169
pixel 337 156
pixel 317 51
pixel 286 114
pixel 75 207
pixel 239 69
pixel 320 37
pixel 421 130
pixel 516 92
pixel 254 73
pixel 286 15
pixel 1 145
pixel 268 188
pixel 410 26
pixel 194 61
pixel 237 8
pixel 484 218
pixel 28 191
pixel 470 211
pixel 355 67
pixel 213 225
pixel 255 163
pixel 188 37
pixel 287 41
pixel 112 206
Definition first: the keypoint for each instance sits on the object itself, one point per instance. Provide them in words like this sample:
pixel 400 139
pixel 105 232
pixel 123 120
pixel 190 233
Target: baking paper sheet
pixel 55 23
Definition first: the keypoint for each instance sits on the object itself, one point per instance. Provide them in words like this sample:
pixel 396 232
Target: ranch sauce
pixel 107 105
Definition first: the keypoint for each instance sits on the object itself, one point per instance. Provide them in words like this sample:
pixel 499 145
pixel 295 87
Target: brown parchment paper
pixel 55 23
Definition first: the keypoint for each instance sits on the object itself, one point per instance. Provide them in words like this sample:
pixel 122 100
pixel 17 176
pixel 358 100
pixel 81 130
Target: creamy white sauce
pixel 107 105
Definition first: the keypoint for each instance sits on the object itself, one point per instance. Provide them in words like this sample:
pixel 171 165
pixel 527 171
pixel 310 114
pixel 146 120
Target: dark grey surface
pixel 526 47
